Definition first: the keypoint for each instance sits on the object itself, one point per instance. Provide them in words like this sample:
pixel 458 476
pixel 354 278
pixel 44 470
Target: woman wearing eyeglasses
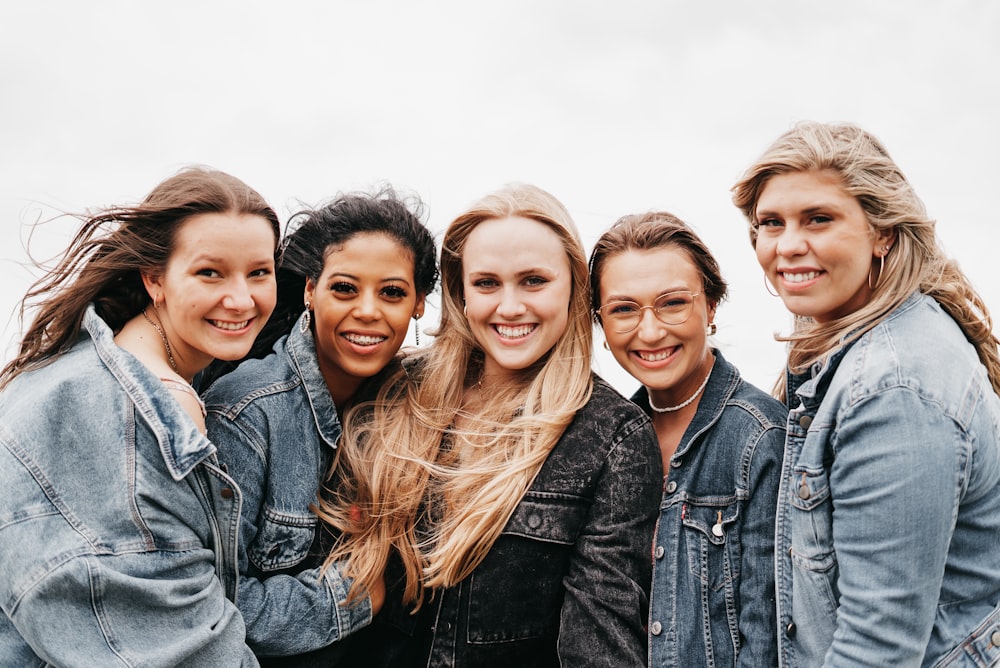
pixel 656 287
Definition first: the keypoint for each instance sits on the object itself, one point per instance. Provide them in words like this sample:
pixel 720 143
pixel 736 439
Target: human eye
pixel 622 309
pixel 263 272
pixel 769 222
pixel 535 281
pixel 394 292
pixel 819 219
pixel 209 273
pixel 343 288
pixel 485 283
pixel 673 301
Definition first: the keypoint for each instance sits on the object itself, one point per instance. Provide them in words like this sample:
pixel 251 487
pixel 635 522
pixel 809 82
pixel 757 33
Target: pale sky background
pixel 614 107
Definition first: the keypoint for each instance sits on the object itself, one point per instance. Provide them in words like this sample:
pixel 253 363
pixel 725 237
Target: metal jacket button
pixel 805 421
pixel 790 630
pixel 656 628
pixel 227 493
pixel 659 552
pixel 671 487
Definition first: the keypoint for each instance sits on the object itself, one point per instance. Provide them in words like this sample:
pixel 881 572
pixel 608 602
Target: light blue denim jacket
pixel 276 428
pixel 713 562
pixel 889 507
pixel 117 527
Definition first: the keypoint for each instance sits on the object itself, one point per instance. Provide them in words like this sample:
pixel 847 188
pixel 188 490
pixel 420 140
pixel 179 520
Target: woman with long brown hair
pixel 116 519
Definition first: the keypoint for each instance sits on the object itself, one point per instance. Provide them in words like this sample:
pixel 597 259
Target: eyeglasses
pixel 670 308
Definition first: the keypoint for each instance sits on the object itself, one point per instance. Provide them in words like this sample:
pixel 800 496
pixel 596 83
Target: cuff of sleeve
pixel 350 617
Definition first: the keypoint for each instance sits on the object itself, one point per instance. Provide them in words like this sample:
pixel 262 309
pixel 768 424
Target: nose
pixel 791 242
pixel 650 328
pixel 239 297
pixel 366 307
pixel 510 305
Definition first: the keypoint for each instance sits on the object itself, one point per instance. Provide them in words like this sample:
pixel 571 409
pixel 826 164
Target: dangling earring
pixel 306 318
pixel 606 346
pixel 881 270
pixel 416 328
pixel 711 329
pixel 767 286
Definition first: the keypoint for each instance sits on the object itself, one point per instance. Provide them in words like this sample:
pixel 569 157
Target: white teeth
pixel 800 278
pixel 653 357
pixel 514 332
pixel 233 326
pixel 362 340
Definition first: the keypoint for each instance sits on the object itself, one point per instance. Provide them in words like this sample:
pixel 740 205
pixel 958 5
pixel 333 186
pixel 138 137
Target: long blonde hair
pixel 407 480
pixel 916 262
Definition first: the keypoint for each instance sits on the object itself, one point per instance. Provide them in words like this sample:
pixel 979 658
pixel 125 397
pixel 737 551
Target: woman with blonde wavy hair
pixel 889 504
pixel 507 494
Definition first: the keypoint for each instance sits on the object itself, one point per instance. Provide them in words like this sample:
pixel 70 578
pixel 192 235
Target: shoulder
pixel 759 405
pixel 609 418
pixel 251 381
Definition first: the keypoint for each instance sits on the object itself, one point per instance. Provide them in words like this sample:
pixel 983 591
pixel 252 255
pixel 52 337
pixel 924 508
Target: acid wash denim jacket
pixel 713 599
pixel 117 526
pixel 276 428
pixel 889 507
pixel 567 582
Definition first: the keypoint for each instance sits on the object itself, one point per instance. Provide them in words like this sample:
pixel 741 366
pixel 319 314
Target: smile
pixel 800 277
pixel 230 326
pixel 514 331
pixel 657 356
pixel 364 339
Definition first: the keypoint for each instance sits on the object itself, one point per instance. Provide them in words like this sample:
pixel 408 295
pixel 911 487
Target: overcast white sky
pixel 614 107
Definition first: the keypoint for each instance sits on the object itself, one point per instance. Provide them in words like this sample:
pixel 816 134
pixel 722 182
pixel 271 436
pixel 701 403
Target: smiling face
pixel 217 289
pixel 815 244
pixel 517 285
pixel 362 305
pixel 670 360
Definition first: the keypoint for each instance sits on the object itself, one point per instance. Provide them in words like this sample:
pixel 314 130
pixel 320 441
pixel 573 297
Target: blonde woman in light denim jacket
pixel 117 522
pixel 888 536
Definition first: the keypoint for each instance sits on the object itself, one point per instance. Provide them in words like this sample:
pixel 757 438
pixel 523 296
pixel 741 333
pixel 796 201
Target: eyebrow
pixel 388 279
pixel 626 298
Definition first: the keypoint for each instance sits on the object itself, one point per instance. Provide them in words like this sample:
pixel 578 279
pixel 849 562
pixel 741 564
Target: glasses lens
pixel 622 316
pixel 673 308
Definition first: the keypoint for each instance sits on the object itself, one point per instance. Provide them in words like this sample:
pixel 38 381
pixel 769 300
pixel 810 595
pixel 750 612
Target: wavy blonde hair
pixel 407 479
pixel 916 262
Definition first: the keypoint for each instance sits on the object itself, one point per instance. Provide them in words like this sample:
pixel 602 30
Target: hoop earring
pixel 306 319
pixel 606 346
pixel 881 270
pixel 767 286
pixel 711 329
pixel 416 328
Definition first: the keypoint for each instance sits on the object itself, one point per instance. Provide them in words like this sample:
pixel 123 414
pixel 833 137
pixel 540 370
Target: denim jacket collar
pixel 812 383
pixel 722 383
pixel 180 443
pixel 301 347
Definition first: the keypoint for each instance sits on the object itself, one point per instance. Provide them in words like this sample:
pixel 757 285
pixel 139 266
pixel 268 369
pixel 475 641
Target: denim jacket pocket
pixel 811 519
pixel 282 541
pixel 711 552
pixel 516 592
pixel 979 648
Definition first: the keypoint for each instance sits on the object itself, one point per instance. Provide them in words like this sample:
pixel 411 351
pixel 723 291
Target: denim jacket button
pixel 659 552
pixel 534 521
pixel 995 638
pixel 227 493
pixel 676 463
pixel 671 487
pixel 805 421
pixel 656 628
pixel 790 630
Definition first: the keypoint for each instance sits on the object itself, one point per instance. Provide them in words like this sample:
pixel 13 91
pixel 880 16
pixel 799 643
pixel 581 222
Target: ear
pixel 309 292
pixel 418 307
pixel 884 241
pixel 154 285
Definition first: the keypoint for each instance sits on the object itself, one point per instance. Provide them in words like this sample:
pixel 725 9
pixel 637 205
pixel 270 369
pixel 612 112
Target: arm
pixel 894 485
pixel 603 619
pixel 757 611
pixel 284 613
pixel 134 609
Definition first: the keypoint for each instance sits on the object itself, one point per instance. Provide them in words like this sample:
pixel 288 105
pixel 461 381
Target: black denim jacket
pixel 567 583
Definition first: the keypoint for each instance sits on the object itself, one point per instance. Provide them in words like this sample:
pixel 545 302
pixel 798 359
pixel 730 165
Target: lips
pixel 799 277
pixel 230 326
pixel 514 331
pixel 364 339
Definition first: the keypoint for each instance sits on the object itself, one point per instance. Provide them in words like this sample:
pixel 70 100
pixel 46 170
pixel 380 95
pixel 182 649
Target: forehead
pixel 229 236
pixel 796 189
pixel 511 243
pixel 648 273
pixel 369 253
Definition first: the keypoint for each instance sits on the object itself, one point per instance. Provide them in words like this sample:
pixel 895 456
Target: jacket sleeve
pixel 895 483
pixel 603 619
pixel 758 613
pixel 284 613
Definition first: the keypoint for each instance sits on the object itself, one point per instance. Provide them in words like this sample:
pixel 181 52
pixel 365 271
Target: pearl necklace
pixel 671 409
